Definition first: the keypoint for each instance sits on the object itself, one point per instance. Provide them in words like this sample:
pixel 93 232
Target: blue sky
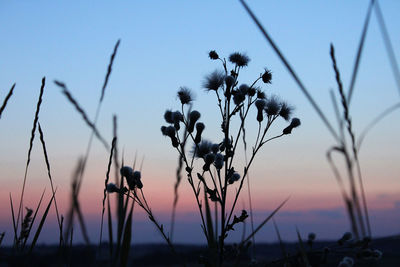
pixel 164 45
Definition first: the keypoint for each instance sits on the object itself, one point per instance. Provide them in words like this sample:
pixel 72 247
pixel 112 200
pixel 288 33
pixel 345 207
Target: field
pixel 240 172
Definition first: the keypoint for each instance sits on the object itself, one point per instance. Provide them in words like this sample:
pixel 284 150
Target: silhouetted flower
pixel 185 96
pixel 260 105
pixel 311 236
pixel 170 132
pixel 136 177
pixel 208 160
pixel 234 177
pixel 267 76
pixel 199 129
pixel 168 116
pixel 202 149
pixel 126 171
pixel 238 97
pixel 260 94
pixel 215 148
pixel 272 106
pixel 244 89
pixel 252 91
pixel 112 188
pixel 219 161
pixel 229 81
pixel 295 123
pixel 177 117
pixel 214 80
pixel 213 55
pixel 286 111
pixel 239 59
pixel 193 117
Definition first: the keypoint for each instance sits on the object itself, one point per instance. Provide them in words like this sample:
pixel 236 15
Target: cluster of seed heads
pixel 133 179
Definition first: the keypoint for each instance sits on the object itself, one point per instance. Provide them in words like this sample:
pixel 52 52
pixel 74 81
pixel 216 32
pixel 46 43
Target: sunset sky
pixel 164 45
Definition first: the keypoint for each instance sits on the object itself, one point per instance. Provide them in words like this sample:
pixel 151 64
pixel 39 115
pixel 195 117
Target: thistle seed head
pixel 168 116
pixel 266 76
pixel 214 80
pixel 112 188
pixel 272 106
pixel 286 111
pixel 213 55
pixel 185 96
pixel 126 171
pixel 240 59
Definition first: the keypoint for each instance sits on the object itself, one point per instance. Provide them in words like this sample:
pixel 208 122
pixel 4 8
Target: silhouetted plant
pixel 218 176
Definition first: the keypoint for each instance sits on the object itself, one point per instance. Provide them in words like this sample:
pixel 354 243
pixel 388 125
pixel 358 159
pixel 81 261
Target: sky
pixel 165 45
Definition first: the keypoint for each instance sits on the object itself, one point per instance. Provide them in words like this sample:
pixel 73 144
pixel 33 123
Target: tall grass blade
pixel 302 250
pixel 388 45
pixel 110 228
pixel 2 237
pixel 35 120
pixel 291 71
pixel 105 187
pixel 126 241
pixel 359 51
pixel 39 229
pixel 3 106
pixel 46 158
pixel 13 220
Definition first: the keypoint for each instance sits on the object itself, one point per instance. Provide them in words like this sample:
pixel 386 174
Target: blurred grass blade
pixel 126 240
pixel 388 45
pixel 359 52
pixel 265 221
pixel 281 244
pixel 39 229
pixel 291 71
pixel 3 106
pixel 374 122
pixel 82 112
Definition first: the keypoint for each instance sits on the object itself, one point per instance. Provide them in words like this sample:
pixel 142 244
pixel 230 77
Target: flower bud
pixel 193 117
pixel 112 188
pixel 267 76
pixel 199 129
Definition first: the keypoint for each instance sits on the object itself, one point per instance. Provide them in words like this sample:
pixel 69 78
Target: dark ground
pixel 160 255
